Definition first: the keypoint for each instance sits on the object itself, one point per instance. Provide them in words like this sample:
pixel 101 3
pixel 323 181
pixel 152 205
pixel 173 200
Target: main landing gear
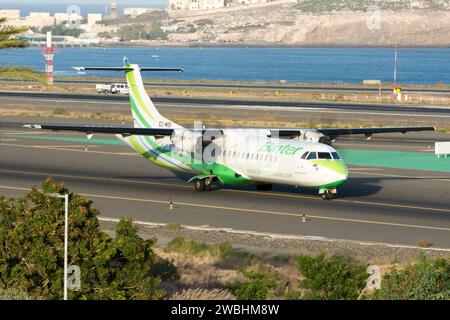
pixel 328 194
pixel 204 184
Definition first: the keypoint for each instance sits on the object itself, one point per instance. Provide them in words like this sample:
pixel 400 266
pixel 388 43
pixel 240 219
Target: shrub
pixel 424 243
pixel 204 22
pixel 425 280
pixel 32 251
pixel 196 248
pixel 203 294
pixel 257 284
pixel 337 277
pixel 13 294
pixel 173 226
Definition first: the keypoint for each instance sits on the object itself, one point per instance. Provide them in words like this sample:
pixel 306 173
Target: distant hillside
pixel 322 6
pixel 297 23
pixel 320 22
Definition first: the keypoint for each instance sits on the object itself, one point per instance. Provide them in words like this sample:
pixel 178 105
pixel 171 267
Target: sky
pixel 123 2
pixel 87 5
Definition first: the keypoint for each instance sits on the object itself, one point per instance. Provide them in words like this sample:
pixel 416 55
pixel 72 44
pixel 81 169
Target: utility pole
pixel 395 70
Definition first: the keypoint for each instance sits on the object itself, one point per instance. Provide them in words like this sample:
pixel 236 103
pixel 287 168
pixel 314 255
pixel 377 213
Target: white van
pixel 114 88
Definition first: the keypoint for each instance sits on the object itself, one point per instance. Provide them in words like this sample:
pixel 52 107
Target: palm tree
pixel 8 40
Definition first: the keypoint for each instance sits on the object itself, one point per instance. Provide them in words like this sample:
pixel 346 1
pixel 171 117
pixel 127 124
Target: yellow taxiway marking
pixel 342 145
pixel 58 148
pixel 365 169
pixel 405 177
pixel 258 193
pixel 61 147
pixel 244 210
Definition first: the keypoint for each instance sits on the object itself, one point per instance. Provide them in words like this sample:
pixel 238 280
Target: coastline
pixel 269 45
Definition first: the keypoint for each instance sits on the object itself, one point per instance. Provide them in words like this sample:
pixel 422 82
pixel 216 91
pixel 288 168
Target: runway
pixel 316 113
pixel 288 87
pixel 377 204
pixel 229 102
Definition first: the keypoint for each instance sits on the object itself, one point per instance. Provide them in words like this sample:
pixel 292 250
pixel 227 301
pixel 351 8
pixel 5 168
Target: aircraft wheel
pixel 199 185
pixel 208 185
pixel 327 195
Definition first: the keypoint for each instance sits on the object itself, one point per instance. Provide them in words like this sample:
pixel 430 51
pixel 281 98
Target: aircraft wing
pixel 126 131
pixel 370 131
pixel 335 132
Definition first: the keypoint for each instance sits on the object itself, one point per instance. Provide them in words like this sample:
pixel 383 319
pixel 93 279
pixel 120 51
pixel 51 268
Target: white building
pixel 61 17
pixel 135 12
pixel 195 5
pixel 39 20
pixel 93 18
pixel 10 14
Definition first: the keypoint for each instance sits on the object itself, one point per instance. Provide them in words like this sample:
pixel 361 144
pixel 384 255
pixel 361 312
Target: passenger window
pixel 305 155
pixel 324 155
pixel 336 156
pixel 312 156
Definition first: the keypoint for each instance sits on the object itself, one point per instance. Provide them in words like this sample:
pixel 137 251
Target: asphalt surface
pixel 228 102
pixel 314 114
pixel 255 86
pixel 376 204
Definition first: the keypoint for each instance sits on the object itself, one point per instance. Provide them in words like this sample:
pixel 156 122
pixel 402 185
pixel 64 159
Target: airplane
pixel 258 157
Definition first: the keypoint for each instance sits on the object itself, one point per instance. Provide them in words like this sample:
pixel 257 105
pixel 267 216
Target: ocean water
pixel 332 65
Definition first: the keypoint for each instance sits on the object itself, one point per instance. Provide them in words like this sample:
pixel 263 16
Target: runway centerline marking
pixel 276 213
pixel 233 190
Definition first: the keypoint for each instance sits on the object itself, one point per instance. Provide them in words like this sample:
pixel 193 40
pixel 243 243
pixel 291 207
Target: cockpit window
pixel 305 155
pixel 336 156
pixel 312 156
pixel 324 155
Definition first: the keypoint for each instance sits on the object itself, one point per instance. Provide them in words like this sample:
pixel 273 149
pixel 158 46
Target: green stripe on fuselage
pixel 334 165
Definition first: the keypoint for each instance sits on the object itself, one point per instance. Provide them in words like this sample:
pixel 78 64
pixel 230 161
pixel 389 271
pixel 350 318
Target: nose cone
pixel 339 171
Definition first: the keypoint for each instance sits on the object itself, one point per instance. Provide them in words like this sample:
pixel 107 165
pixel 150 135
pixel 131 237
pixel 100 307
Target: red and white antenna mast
pixel 49 53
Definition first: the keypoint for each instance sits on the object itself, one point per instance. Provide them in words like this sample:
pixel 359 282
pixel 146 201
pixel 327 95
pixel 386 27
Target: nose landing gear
pixel 328 194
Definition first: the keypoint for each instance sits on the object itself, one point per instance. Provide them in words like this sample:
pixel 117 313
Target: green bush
pixel 425 280
pixel 32 251
pixel 204 22
pixel 142 32
pixel 337 277
pixel 257 284
pixel 13 294
pixel 196 248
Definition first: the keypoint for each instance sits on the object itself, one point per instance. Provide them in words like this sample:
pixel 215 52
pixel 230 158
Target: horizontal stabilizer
pixel 124 69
